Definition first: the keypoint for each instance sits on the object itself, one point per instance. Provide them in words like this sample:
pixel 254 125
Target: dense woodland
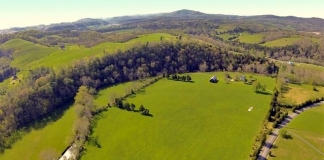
pixel 46 90
pixel 6 70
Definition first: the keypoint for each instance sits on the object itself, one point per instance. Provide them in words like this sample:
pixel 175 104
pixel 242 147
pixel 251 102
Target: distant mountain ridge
pixel 90 23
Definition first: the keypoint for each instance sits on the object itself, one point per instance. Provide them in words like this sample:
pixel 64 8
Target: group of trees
pixel 297 74
pixel 6 70
pixel 119 103
pixel 176 77
pixel 311 53
pixel 85 109
pixel 45 89
pixel 144 111
pixel 261 137
pixel 258 87
pixel 130 107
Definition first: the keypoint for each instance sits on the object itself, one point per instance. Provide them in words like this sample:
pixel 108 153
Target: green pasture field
pixel 298 94
pixel 307 137
pixel 225 28
pixel 55 57
pixel 226 36
pixel 251 38
pixel 191 120
pixel 27 52
pixel 282 42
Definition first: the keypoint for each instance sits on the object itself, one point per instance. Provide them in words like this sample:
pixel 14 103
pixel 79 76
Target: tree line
pixel 46 90
pixel 6 70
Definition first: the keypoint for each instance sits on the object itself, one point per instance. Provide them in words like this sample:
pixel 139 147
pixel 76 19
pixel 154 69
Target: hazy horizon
pixel 23 13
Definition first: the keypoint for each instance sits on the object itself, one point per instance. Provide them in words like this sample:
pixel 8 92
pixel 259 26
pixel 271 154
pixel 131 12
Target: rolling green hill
pixel 27 52
pixel 29 55
pixel 282 42
pixel 250 38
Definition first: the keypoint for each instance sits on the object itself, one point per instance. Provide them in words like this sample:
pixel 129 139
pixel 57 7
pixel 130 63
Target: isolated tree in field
pixel 184 78
pixel 141 108
pixel 188 78
pixel 127 106
pixel 119 103
pixel 284 134
pixel 256 86
pixel 132 106
pixel 263 87
pixel 145 112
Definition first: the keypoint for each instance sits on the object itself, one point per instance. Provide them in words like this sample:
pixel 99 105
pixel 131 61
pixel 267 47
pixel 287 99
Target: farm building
pixel 14 77
pixel 243 79
pixel 213 79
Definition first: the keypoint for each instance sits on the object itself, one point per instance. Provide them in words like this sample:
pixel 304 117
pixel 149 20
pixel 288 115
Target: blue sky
pixel 18 13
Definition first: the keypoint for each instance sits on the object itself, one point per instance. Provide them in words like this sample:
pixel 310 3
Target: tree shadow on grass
pixel 263 93
pixel 183 81
pixel 141 91
pixel 48 118
pixel 39 123
pixel 149 115
pixel 271 155
pixel 132 96
pixel 288 137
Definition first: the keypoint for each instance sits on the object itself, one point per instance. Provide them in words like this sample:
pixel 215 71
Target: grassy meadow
pixel 309 127
pixel 298 94
pixel 281 42
pixel 197 120
pixel 251 38
pixel 27 52
pixel 226 36
pixel 225 28
pixel 45 137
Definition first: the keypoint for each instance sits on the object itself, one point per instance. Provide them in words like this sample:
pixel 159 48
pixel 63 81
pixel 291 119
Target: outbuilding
pixel 213 79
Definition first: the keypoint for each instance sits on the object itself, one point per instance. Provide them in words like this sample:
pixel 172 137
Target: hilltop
pixel 298 23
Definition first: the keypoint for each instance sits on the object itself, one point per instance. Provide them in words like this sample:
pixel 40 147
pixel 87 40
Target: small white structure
pixel 68 154
pixel 250 109
pixel 291 63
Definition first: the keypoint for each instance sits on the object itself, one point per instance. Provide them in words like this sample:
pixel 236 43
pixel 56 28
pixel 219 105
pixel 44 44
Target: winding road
pixel 275 132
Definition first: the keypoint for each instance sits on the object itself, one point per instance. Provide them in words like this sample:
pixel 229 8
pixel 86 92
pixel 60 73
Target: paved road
pixel 275 132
